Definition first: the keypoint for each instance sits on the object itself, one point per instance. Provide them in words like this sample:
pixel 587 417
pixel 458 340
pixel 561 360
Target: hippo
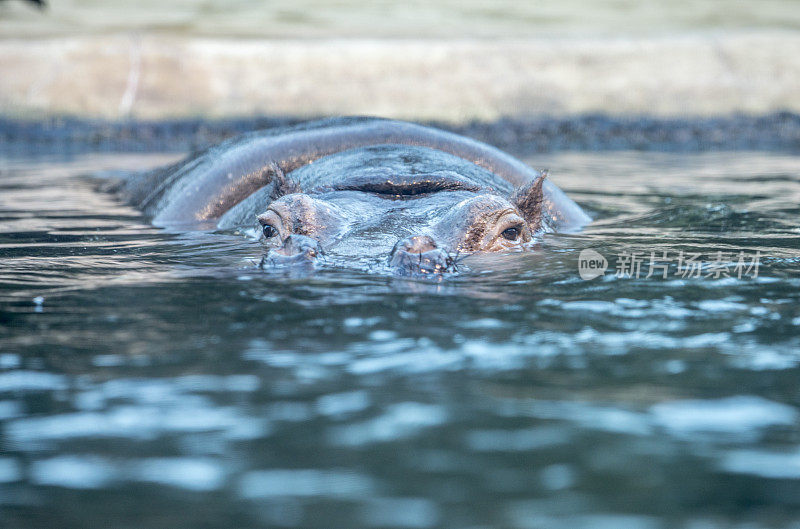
pixel 358 191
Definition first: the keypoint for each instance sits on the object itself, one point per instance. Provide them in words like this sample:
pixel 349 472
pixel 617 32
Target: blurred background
pixel 444 60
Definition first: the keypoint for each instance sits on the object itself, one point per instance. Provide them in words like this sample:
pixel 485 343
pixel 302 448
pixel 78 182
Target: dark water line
pixel 776 132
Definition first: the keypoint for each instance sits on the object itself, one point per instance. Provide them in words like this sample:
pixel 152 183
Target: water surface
pixel 157 379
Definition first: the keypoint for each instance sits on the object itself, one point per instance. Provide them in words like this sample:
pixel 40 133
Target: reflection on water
pixel 162 376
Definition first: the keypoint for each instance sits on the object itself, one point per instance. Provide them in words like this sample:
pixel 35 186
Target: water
pixel 155 379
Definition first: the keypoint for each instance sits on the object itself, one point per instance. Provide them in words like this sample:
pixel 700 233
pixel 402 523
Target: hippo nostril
pixel 300 245
pixel 297 251
pixel 419 255
pixel 417 244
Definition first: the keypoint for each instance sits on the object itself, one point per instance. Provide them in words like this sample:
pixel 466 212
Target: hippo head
pixel 412 209
pixel 414 233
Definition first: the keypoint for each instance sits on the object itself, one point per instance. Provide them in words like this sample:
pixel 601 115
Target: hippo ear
pixel 282 185
pixel 529 199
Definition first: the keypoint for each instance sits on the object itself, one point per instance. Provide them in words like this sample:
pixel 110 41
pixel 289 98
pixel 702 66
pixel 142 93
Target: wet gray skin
pixel 413 234
pixel 420 234
pixel 378 194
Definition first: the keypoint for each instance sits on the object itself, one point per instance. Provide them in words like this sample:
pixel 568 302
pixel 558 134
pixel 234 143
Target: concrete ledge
pixel 151 77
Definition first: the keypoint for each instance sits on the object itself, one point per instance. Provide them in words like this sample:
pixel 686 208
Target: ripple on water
pixel 13 381
pixel 414 513
pixel 93 472
pixel 314 483
pixel 399 421
pixel 133 422
pixel 740 416
pixel 772 465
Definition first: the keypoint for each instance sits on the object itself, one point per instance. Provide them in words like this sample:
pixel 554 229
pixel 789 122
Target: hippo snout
pixel 419 255
pixel 297 250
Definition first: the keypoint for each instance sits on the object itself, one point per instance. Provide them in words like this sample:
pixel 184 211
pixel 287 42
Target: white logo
pixel 591 264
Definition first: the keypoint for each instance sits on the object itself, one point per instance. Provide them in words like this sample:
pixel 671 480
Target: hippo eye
pixel 511 233
pixel 269 231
